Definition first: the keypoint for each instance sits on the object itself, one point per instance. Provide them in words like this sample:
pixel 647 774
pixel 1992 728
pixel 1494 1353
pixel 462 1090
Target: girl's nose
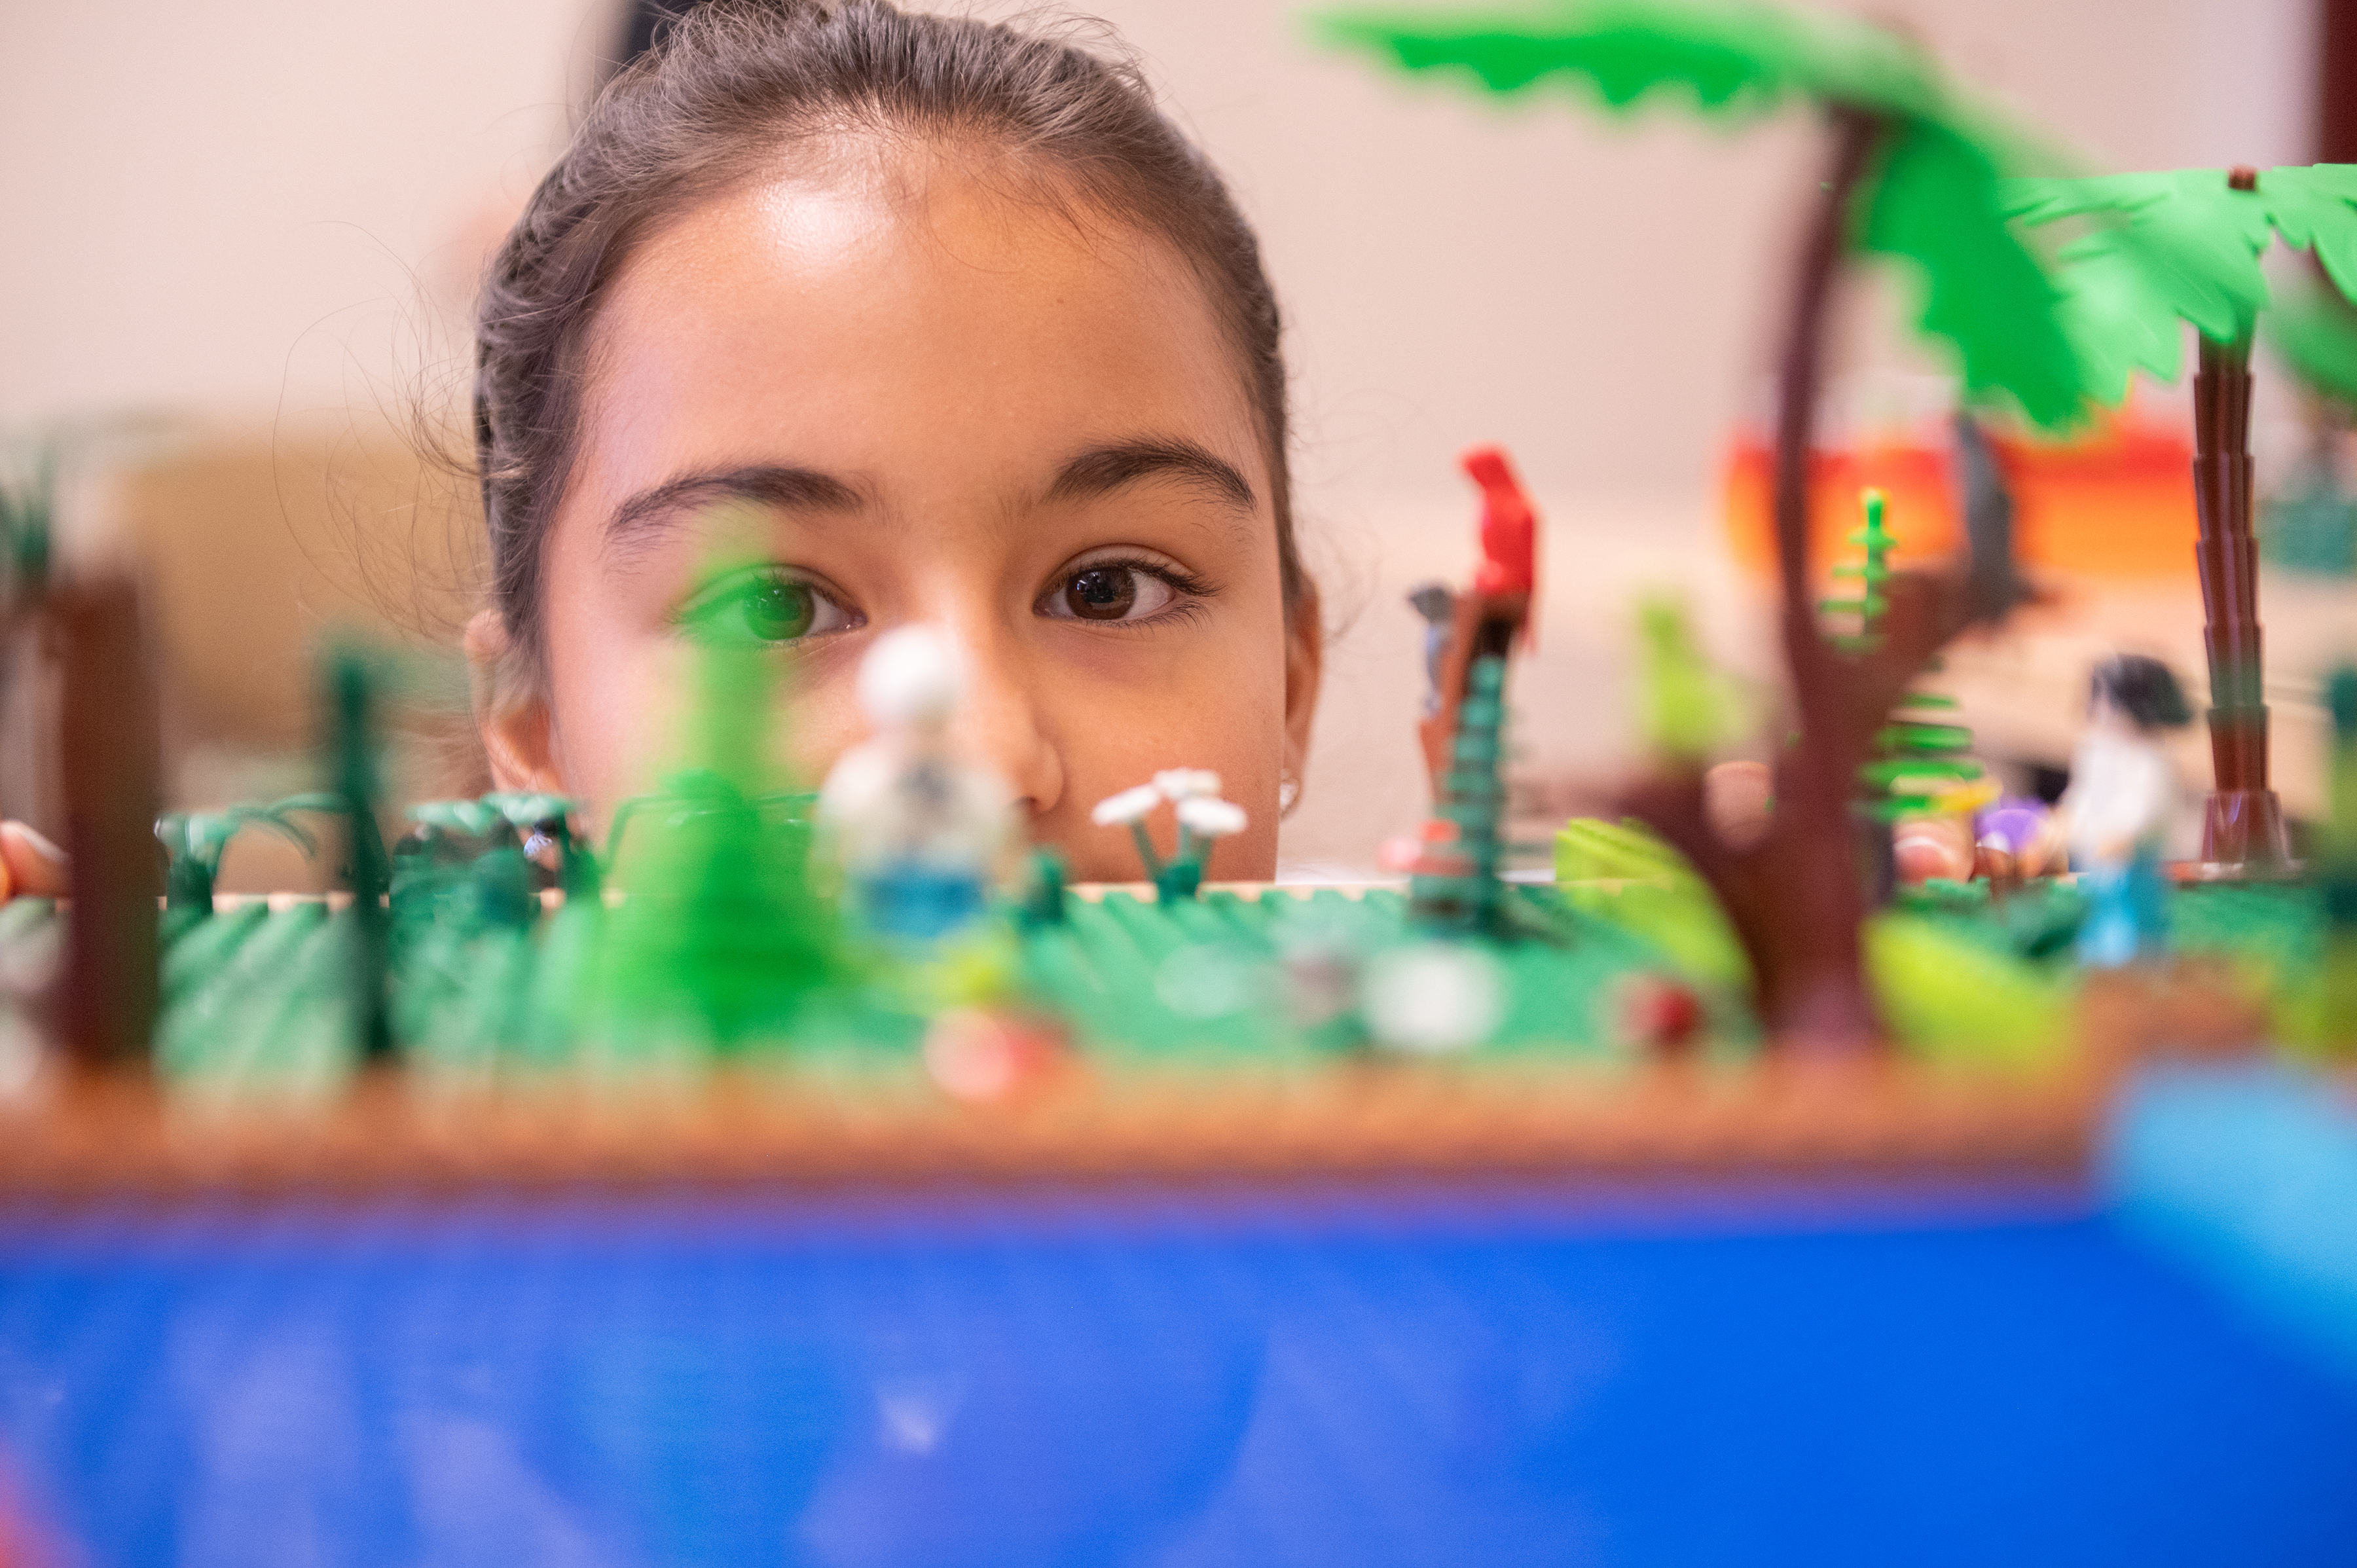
pixel 1001 721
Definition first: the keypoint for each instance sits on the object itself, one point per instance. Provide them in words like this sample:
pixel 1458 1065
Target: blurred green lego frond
pixel 2182 244
pixel 25 531
pixel 1739 58
pixel 1688 709
pixel 1589 849
pixel 720 936
pixel 194 841
pixel 1933 199
pixel 2315 332
pixel 1950 999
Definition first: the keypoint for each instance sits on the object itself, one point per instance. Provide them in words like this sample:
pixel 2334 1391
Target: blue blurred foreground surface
pixel 1363 1379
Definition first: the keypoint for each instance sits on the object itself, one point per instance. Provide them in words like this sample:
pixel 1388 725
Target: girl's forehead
pixel 849 317
pixel 864 254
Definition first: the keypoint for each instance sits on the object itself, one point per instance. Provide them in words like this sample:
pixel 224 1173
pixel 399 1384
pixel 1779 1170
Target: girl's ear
pixel 510 716
pixel 1305 662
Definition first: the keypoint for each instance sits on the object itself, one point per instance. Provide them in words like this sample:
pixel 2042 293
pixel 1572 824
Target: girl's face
pixel 928 403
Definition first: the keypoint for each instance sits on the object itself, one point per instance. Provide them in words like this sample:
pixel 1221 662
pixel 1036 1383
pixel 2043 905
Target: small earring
pixel 1288 792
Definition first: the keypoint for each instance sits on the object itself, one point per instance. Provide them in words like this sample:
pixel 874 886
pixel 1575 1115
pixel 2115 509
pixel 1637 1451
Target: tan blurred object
pixel 257 547
pixel 1926 847
pixel 259 543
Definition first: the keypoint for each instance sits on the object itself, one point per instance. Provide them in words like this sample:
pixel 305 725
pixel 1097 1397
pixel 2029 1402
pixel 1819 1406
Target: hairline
pixel 1060 188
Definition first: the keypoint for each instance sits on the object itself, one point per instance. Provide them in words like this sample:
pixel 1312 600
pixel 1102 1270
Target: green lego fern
pixel 1915 757
pixel 1464 893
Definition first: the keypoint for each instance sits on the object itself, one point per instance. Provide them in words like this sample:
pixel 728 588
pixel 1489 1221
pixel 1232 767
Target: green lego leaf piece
pixel 2182 244
pixel 1936 199
pixel 2316 335
pixel 1739 58
pixel 196 842
pixel 1929 738
pixel 474 819
pixel 25 512
pixel 1687 709
pixel 1953 1001
pixel 1937 204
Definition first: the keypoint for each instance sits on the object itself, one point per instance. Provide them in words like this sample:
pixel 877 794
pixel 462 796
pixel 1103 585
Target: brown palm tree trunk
pixel 1806 945
pixel 2242 823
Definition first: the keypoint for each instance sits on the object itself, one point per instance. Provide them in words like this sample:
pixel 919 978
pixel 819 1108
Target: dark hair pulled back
pixel 730 89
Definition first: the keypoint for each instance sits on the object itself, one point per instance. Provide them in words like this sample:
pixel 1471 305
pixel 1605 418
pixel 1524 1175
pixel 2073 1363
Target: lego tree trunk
pixel 112 764
pixel 2243 823
pixel 1792 894
pixel 353 698
pixel 1806 950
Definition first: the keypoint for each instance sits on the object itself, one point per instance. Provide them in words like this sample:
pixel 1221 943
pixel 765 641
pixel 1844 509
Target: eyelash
pixel 1190 589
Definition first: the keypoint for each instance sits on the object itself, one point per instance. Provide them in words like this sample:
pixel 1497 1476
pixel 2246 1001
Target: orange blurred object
pixel 983 1055
pixel 2116 503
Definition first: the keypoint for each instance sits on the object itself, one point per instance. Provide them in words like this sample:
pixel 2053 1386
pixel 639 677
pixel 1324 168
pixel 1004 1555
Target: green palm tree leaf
pixel 2183 245
pixel 1737 57
pixel 1937 206
pixel 1935 200
pixel 2317 336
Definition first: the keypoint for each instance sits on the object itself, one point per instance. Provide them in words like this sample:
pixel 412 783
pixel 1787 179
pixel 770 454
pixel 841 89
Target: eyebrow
pixel 1101 470
pixel 772 485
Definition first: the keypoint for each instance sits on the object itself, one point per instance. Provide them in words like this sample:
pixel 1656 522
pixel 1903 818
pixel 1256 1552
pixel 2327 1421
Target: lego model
pixel 920 830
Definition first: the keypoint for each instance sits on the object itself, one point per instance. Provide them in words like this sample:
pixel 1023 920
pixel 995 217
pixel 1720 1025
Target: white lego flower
pixel 1129 807
pixel 1208 817
pixel 1185 783
pixel 910 677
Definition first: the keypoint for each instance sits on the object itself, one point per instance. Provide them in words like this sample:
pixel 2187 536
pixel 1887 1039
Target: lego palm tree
pixel 2185 246
pixel 1915 172
pixel 1915 756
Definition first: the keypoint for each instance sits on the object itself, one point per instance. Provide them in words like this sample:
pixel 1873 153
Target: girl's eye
pixel 764 607
pixel 1111 591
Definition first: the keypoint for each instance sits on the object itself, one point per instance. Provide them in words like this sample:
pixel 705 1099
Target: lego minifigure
pixel 2122 799
pixel 919 828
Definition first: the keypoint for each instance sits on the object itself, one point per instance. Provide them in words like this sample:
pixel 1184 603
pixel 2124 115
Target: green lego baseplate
pixel 490 981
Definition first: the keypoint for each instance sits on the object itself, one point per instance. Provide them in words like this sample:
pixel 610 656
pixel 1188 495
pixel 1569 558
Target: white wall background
pixel 268 210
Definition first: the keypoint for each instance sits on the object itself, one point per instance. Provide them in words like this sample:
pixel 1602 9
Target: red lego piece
pixel 1510 535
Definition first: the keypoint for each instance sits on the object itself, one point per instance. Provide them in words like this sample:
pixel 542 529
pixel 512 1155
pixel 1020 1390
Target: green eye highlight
pixel 763 606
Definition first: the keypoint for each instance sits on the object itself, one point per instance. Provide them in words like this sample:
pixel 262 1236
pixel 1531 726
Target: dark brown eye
pixel 1102 592
pixel 1109 592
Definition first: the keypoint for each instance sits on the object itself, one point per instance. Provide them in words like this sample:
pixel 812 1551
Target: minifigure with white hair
pixel 920 830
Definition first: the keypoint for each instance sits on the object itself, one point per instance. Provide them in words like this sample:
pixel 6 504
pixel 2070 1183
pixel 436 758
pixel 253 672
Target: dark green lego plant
pixel 196 842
